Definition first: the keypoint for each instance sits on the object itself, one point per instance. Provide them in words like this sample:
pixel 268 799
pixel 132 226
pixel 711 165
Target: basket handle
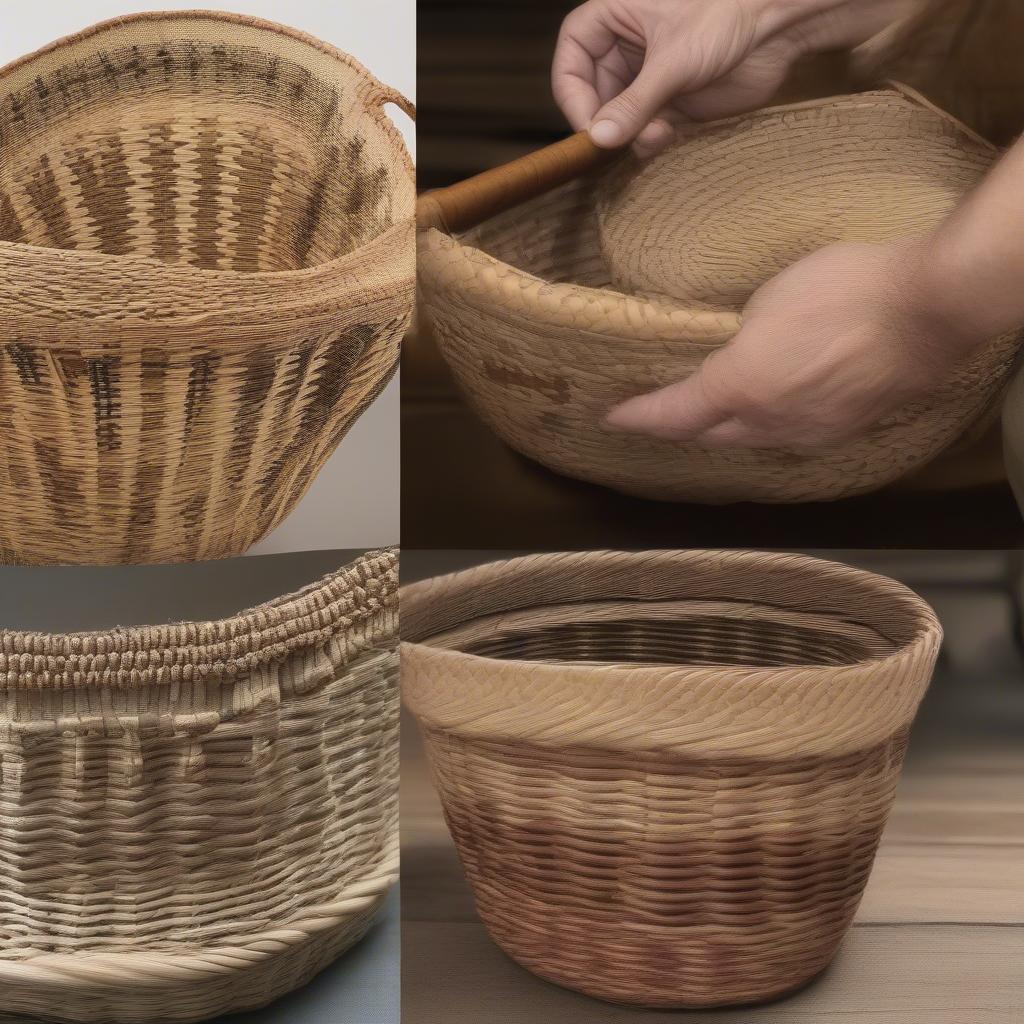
pixel 465 204
pixel 385 94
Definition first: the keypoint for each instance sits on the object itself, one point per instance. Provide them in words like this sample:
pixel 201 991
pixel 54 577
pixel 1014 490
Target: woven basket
pixel 197 818
pixel 206 267
pixel 667 772
pixel 617 283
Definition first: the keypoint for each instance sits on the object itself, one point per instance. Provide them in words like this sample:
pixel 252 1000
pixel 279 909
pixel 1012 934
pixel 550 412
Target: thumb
pixel 622 119
pixel 676 412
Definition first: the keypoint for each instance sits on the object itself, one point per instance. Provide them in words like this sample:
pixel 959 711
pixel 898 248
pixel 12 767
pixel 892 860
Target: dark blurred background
pixel 483 89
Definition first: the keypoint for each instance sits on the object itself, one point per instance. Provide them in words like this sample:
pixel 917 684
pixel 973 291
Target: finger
pixel 574 83
pixel 583 41
pixel 676 412
pixel 654 138
pixel 623 118
pixel 748 86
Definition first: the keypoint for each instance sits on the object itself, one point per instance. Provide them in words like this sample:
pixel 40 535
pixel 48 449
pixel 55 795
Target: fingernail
pixel 606 133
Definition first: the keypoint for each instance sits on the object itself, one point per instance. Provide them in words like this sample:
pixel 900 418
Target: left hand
pixel 827 349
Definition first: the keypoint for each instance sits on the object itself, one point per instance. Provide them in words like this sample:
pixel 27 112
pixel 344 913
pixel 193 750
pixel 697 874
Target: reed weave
pixel 206 268
pixel 554 312
pixel 197 818
pixel 667 772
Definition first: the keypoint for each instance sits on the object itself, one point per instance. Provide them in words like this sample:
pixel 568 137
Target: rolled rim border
pixel 699 710
pixel 146 655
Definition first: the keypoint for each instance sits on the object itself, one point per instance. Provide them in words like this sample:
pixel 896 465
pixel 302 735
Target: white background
pixel 354 502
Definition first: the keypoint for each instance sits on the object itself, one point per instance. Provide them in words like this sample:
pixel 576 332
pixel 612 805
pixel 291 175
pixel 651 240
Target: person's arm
pixel 852 332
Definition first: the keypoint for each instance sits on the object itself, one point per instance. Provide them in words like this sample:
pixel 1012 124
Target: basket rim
pixel 920 612
pixel 373 107
pixel 700 710
pixel 378 272
pixel 629 317
pixel 356 597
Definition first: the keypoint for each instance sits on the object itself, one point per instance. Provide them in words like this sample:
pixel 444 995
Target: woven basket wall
pixel 666 772
pixel 554 312
pixel 206 268
pixel 197 818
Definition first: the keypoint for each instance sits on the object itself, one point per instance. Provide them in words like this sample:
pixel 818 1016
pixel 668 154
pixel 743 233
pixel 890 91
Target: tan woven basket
pixel 197 818
pixel 617 283
pixel 206 267
pixel 667 772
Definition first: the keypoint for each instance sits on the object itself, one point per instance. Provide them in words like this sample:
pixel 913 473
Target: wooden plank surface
pixel 939 937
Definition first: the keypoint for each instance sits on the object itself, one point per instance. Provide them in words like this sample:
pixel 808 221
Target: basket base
pixel 656 1002
pixel 183 994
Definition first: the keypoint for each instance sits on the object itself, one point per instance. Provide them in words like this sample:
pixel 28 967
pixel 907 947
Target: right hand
pixel 629 70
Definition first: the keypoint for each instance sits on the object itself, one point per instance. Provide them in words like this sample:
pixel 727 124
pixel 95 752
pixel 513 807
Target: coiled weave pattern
pixel 197 818
pixel 554 312
pixel 206 268
pixel 667 772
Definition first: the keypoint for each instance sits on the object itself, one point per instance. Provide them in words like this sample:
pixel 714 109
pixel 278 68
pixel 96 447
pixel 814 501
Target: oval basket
pixel 206 267
pixel 198 818
pixel 667 772
pixel 617 283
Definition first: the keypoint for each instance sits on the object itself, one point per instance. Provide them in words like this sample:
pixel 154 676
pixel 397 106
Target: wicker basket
pixel 206 267
pixel 617 283
pixel 197 818
pixel 667 772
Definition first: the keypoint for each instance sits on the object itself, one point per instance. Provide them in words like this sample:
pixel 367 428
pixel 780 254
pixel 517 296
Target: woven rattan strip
pixel 181 844
pixel 621 282
pixel 667 772
pixel 206 268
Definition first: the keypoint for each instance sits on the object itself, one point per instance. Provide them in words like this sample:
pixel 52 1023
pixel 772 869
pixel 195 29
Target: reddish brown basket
pixel 667 772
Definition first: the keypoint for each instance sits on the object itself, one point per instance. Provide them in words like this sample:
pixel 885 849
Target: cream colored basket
pixel 207 264
pixel 667 772
pixel 616 283
pixel 197 818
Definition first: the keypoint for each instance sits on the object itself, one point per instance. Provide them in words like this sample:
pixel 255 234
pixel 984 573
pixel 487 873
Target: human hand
pixel 629 70
pixel 827 348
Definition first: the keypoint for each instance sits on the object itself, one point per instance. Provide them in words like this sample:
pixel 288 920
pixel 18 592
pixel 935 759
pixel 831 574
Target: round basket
pixel 617 283
pixel 199 817
pixel 206 267
pixel 667 772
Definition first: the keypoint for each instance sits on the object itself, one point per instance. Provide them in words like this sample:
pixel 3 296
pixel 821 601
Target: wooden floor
pixel 939 938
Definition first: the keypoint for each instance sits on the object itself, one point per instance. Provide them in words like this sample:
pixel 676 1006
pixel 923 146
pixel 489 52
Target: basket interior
pixel 733 204
pixel 217 144
pixel 668 633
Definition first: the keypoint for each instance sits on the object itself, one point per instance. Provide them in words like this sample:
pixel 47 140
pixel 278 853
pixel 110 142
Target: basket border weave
pixel 353 597
pixel 700 711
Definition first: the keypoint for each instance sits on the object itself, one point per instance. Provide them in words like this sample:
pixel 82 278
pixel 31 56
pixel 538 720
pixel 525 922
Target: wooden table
pixel 939 937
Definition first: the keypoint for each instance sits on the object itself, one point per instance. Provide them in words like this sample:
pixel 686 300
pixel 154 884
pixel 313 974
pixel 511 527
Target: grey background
pixel 363 986
pixel 355 499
